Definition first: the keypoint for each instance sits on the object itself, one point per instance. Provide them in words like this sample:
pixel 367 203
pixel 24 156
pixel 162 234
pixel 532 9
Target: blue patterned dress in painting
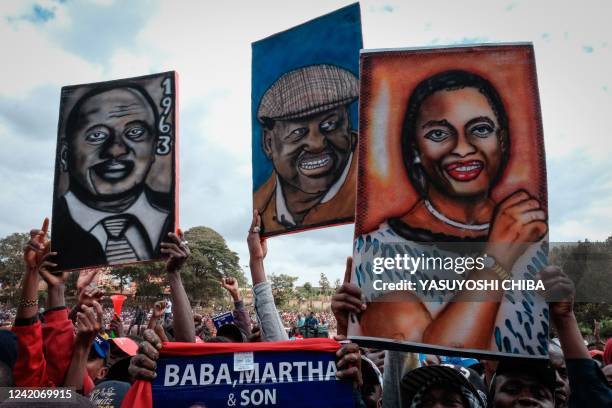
pixel 521 326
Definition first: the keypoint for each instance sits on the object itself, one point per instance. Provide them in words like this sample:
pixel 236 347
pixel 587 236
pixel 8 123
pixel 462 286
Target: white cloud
pixel 209 45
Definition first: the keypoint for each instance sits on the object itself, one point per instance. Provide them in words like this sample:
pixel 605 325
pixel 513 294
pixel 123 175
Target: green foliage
pixel 588 265
pixel 11 262
pixel 606 329
pixel 324 284
pixel 282 288
pixel 210 260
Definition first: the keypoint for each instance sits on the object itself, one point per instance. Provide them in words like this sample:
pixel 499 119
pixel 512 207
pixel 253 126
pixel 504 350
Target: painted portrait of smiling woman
pixel 456 143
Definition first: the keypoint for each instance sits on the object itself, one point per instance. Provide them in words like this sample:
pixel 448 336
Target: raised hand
pixel 258 248
pixel 231 285
pixel 176 250
pixel 50 278
pixel 116 325
pixel 158 309
pixel 86 278
pixel 143 365
pixel 348 361
pixel 559 292
pixel 346 300
pixel 89 323
pixel 37 247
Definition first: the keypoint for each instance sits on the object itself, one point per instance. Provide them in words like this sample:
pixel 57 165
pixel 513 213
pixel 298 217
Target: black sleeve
pixel 589 387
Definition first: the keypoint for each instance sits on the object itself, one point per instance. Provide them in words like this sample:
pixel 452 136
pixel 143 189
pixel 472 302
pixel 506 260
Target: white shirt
pixel 282 212
pixel 90 220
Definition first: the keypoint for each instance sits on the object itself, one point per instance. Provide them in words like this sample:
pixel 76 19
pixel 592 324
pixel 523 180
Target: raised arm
pixel 31 367
pixel 182 322
pixel 241 315
pixel 588 384
pixel 89 323
pixel 271 325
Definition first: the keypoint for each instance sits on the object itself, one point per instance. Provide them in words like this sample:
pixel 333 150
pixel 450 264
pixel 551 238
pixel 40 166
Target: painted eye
pixel 135 133
pixel 437 135
pixel 329 125
pixel 482 130
pixel 299 132
pixel 96 137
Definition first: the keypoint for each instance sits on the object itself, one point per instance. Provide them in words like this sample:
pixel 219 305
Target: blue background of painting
pixel 334 38
pixel 306 394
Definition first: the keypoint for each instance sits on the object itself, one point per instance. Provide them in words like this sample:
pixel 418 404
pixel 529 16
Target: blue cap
pixel 101 346
pixel 460 361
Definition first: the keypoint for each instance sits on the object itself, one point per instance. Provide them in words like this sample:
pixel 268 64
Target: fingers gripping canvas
pixel 304 117
pixel 451 168
pixel 115 192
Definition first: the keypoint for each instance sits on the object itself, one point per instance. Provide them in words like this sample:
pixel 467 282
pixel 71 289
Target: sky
pixel 48 44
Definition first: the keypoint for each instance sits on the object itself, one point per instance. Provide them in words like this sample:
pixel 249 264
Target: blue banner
pixel 249 379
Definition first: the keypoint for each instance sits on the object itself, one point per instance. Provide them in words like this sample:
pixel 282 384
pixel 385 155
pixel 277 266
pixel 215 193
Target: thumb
pixel 347 271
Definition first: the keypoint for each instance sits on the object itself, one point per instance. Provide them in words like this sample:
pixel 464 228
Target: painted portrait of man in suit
pixel 114 208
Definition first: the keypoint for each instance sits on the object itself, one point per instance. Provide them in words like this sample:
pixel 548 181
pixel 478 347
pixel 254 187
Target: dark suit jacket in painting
pixel 78 248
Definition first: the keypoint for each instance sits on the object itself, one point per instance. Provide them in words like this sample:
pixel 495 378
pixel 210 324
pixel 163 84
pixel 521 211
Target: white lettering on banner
pixel 312 371
pixel 206 374
pixel 257 397
pixel 171 378
pixel 331 371
pixel 271 373
pixel 250 376
pixel 189 375
pixel 224 374
pixel 299 365
pixel 284 372
pixel 268 373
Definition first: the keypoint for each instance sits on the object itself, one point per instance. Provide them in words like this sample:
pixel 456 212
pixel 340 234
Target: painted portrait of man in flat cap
pixel 305 129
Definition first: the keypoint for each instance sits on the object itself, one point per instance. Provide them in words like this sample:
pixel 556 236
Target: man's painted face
pixel 310 154
pixel 518 390
pixel 113 146
pixel 456 136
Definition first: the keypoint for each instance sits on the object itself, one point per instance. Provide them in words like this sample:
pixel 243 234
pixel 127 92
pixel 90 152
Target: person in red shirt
pixel 45 351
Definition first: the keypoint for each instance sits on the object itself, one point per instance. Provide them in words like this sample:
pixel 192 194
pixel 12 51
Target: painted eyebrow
pixel 485 119
pixel 432 123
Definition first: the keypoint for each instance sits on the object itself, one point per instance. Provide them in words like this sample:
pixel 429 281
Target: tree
pixel 210 260
pixel 337 284
pixel 11 261
pixel 282 288
pixel 309 292
pixel 324 284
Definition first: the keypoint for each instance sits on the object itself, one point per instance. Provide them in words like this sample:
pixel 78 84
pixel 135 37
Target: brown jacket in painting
pixel 340 209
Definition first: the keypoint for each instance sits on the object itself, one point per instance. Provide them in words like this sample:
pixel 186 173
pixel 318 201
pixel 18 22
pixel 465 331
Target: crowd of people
pixel 90 348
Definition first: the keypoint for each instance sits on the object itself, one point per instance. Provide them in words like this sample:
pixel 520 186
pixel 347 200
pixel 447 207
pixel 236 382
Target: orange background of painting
pixel 385 190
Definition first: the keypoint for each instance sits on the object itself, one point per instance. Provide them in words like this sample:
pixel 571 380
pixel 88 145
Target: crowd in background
pixel 90 348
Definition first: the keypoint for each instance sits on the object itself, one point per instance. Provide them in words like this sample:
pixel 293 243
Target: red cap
pixel 127 345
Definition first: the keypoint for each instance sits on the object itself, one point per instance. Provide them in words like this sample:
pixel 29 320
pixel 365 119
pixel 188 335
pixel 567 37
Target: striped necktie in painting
pixel 118 248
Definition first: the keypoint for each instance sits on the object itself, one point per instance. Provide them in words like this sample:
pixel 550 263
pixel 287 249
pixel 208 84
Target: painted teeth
pixel 314 164
pixel 468 168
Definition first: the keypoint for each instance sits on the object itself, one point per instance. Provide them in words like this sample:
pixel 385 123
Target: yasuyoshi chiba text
pixel 459 285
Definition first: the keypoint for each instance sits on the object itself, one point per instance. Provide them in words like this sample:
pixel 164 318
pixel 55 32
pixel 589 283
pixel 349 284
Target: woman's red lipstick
pixel 464 171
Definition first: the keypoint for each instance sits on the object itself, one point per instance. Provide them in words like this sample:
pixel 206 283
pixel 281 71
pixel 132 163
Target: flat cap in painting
pixel 307 91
